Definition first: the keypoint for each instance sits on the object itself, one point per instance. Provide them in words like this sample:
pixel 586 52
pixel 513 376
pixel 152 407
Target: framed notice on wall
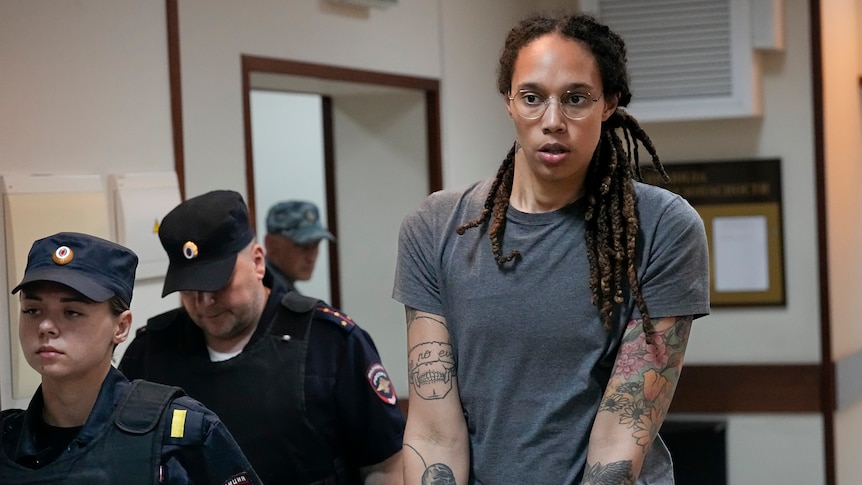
pixel 740 204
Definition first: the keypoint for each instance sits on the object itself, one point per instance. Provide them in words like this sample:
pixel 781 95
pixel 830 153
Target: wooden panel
pixel 748 389
pixel 742 389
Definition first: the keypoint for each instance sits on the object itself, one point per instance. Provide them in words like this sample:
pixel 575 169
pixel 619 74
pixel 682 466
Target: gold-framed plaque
pixel 740 204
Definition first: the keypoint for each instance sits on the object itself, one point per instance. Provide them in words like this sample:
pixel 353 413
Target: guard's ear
pixel 259 260
pixel 124 326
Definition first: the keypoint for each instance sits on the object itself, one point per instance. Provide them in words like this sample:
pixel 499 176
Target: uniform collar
pixel 278 277
pixel 272 303
pixel 114 387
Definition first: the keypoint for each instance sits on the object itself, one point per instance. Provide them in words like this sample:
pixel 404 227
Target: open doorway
pixel 288 133
pixel 380 134
pixel 381 157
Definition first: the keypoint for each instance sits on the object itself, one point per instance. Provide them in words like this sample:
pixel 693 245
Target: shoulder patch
pixel 330 314
pixel 380 383
pixel 184 426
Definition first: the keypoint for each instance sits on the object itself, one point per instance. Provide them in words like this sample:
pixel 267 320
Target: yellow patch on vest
pixel 178 423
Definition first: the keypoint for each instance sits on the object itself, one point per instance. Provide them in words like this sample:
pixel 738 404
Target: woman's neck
pixel 68 402
pixel 532 194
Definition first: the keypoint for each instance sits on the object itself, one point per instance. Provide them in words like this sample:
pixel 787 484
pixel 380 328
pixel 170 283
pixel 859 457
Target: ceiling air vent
pixel 687 59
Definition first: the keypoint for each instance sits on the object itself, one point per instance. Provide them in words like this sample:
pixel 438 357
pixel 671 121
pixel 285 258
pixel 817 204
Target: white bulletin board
pixel 35 206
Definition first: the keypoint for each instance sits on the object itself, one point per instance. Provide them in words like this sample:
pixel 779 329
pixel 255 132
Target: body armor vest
pixel 127 452
pixel 266 381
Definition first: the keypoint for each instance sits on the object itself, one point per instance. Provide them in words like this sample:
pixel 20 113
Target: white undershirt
pixel 220 356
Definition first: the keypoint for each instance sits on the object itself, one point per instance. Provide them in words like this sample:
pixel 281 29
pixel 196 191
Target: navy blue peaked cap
pixel 97 268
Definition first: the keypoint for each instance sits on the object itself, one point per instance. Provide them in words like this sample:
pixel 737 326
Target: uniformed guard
pixel 297 382
pixel 292 241
pixel 87 424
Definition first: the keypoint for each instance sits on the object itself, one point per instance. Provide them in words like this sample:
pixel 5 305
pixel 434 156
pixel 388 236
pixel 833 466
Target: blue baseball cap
pixel 202 237
pixel 298 221
pixel 97 268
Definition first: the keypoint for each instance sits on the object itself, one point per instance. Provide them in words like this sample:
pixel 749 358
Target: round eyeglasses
pixel 575 106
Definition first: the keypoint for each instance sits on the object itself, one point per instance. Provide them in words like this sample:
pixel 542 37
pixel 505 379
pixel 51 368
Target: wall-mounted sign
pixel 740 204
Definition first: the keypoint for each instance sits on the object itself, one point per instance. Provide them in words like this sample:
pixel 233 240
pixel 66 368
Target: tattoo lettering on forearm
pixel 645 376
pixel 616 473
pixel 436 474
pixel 432 368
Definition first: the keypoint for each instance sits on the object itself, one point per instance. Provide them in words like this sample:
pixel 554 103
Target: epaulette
pixel 329 314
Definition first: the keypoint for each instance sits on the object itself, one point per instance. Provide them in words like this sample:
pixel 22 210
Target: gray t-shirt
pixel 533 359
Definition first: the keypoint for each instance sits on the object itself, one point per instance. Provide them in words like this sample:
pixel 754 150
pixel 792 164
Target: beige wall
pixel 843 150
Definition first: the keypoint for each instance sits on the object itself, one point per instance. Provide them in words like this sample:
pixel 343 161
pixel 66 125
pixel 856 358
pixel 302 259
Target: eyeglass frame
pixel 547 102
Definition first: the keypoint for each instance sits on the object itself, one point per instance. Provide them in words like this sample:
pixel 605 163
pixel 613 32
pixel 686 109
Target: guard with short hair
pixel 292 242
pixel 297 382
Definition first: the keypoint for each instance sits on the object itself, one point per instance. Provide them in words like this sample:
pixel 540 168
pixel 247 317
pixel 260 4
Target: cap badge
pixel 63 255
pixel 309 216
pixel 190 250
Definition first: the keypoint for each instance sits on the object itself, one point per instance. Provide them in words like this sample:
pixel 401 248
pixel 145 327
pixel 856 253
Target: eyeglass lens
pixel 574 106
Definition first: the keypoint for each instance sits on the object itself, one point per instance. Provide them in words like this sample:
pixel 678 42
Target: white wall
pixel 287 143
pixel 83 90
pixel 477 132
pixel 215 33
pixel 780 449
pixel 388 148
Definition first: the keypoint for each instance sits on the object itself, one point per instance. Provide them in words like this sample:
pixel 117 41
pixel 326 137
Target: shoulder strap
pixel 143 406
pixel 136 442
pixel 294 316
pixel 298 302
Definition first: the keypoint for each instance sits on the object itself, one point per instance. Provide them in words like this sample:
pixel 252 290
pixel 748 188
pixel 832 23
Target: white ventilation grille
pixel 688 55
pixel 687 59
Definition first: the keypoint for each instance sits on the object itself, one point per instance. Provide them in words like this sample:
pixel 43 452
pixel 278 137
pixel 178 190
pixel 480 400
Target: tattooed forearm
pixel 645 376
pixel 617 473
pixel 431 366
pixel 436 473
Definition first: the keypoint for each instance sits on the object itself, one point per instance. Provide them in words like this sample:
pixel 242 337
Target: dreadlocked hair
pixel 495 208
pixel 611 215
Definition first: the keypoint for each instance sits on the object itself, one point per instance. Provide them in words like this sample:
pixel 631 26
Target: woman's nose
pixel 553 119
pixel 47 327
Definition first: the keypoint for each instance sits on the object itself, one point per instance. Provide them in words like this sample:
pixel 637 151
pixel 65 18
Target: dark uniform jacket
pixel 306 401
pixel 174 441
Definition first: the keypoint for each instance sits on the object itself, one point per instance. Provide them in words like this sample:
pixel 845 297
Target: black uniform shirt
pixel 349 397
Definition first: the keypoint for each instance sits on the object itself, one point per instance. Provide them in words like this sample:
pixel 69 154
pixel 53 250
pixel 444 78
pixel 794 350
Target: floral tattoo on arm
pixel 645 376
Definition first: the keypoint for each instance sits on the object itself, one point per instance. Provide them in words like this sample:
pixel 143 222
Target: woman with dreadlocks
pixel 551 355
